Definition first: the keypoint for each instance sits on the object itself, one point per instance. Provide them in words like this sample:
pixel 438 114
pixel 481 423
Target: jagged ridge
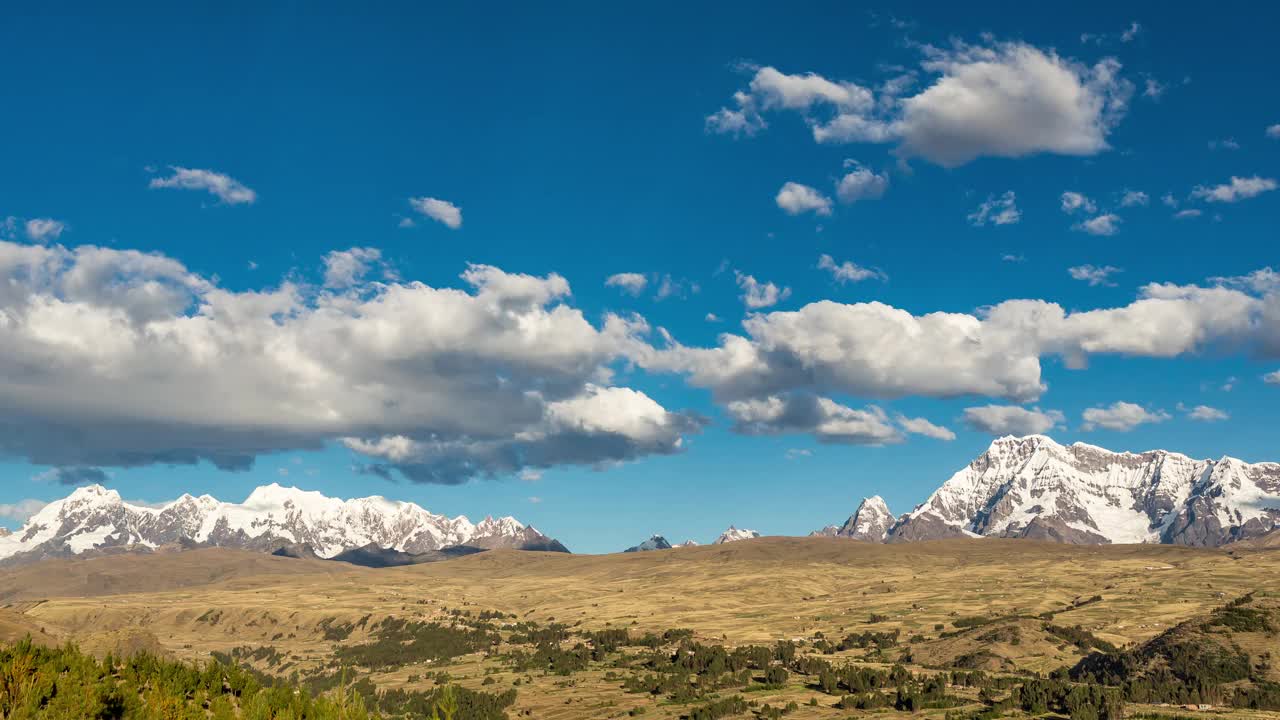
pixel 95 518
pixel 1033 487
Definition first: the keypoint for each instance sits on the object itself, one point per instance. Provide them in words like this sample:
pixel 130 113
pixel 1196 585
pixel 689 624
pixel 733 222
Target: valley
pixel 579 636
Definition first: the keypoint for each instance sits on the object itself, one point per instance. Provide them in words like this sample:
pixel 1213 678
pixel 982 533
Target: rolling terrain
pixel 996 606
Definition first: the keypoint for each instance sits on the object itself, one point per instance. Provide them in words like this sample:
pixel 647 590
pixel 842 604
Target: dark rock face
pixel 657 542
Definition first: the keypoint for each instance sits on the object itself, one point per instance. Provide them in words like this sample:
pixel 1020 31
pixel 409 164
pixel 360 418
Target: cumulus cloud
pixel 73 476
pixel 1003 99
pixel 121 358
pixel 795 199
pixel 756 294
pixel 1134 198
pixel 861 183
pixel 848 271
pixel 1093 274
pixel 876 350
pixel 344 268
pixel 1204 413
pixel 1002 210
pixel 1272 378
pixel 442 211
pixel 224 187
pixel 1120 416
pixel 1011 419
pixel 828 421
pixel 1239 188
pixel 921 426
pixel 1108 224
pixel 628 282
pixel 1073 201
pixel 21 510
pixel 44 229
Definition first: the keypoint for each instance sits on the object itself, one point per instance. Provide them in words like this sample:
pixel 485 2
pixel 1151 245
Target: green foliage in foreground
pixel 66 684
pixel 63 683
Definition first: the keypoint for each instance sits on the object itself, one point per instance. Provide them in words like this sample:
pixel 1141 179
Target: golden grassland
pixel 194 603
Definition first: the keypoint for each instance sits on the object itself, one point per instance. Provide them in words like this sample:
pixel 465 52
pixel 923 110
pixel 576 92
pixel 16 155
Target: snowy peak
pixel 95 518
pixel 1034 487
pixel 733 534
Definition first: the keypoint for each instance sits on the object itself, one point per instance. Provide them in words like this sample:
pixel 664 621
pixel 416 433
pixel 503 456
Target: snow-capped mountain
pixel 871 521
pixel 657 542
pixel 686 543
pixel 733 534
pixel 95 518
pixel 1033 487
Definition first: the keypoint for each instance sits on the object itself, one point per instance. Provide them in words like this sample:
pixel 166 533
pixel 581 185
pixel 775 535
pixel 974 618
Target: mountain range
pixel 1020 487
pixel 1034 487
pixel 273 518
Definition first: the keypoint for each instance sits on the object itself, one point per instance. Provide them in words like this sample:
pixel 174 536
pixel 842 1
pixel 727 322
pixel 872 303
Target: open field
pixel 982 604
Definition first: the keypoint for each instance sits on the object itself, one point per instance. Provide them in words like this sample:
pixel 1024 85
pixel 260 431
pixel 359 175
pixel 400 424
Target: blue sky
pixel 241 144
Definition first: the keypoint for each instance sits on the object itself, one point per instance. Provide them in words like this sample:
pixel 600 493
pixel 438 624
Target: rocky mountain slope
pixel 94 518
pixel 871 521
pixel 657 542
pixel 1033 487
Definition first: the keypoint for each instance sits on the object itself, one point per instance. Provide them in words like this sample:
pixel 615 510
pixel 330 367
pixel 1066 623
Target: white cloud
pixel 861 183
pixel 795 198
pixel 1108 224
pixel 344 268
pixel 1001 210
pixel 441 211
pixel 44 229
pixel 529 475
pixel 876 350
pixel 1093 274
pixel 1169 200
pixel 21 510
pixel 1073 201
pixel 629 282
pixel 1204 413
pixel 712 317
pixel 828 421
pixel 1239 188
pixel 1132 32
pixel 797 453
pixel 674 287
pixel 224 187
pixel 1121 417
pixel 921 426
pixel 1273 131
pixel 1153 88
pixel 535 500
pixel 1011 419
pixel 757 295
pixel 1224 144
pixel 1011 257
pixel 847 271
pixel 1134 198
pixel 1187 214
pixel 118 358
pixel 1272 378
pixel 1006 99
